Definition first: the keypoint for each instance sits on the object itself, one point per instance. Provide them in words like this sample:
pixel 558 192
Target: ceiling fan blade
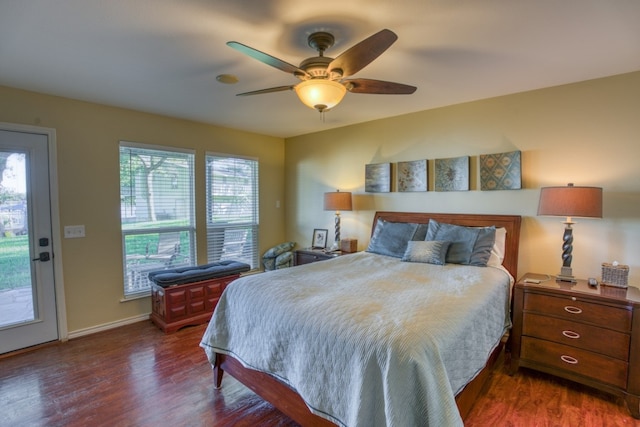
pixel 266 58
pixel 359 56
pixel 270 90
pixel 378 87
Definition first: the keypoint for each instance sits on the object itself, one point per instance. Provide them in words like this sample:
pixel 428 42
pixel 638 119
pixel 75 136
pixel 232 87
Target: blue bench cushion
pixel 182 275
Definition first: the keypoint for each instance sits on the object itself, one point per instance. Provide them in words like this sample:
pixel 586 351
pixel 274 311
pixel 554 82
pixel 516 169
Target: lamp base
pixel 566 275
pixel 568 279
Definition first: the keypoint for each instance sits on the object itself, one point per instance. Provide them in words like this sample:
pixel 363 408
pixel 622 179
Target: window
pixel 232 209
pixel 157 212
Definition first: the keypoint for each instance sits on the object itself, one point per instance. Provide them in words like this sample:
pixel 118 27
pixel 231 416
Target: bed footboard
pixel 290 403
pixel 218 372
pixel 270 389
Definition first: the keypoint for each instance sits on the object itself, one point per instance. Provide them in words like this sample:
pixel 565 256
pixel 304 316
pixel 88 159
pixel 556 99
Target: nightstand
pixel 584 334
pixel 308 255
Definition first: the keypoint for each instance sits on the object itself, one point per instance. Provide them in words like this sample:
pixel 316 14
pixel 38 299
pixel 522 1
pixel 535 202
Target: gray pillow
pixel 391 238
pixel 430 252
pixel 469 245
pixel 421 232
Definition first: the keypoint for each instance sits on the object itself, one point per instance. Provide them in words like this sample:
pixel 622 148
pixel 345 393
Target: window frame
pixel 135 280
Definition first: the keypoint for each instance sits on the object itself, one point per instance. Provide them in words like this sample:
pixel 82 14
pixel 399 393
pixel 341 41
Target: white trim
pixel 227 155
pixel 145 146
pixel 56 236
pixel 137 295
pixel 106 326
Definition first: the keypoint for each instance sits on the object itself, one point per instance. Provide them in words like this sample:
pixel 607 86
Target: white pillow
pixel 497 251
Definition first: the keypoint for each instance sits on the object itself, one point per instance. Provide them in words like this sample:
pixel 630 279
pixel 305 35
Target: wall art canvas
pixel 452 174
pixel 377 178
pixel 412 176
pixel 501 171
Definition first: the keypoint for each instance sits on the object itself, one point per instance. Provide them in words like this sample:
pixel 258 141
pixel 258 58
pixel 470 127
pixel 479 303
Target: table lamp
pixel 337 201
pixel 570 201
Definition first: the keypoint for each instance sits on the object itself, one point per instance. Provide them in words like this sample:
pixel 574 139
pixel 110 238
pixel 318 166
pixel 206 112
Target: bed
pixel 369 339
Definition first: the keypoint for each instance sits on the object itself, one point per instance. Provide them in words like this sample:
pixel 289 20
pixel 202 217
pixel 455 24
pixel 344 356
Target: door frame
pixel 56 235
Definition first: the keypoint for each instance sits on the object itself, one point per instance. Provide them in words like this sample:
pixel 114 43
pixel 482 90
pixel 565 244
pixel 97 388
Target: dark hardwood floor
pixel 137 376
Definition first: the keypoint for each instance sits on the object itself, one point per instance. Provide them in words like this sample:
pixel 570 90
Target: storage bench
pixel 188 295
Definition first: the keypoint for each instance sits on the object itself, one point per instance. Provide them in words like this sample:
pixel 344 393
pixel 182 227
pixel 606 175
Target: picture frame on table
pixel 319 240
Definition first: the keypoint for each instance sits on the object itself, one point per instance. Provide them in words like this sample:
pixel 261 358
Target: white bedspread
pixel 365 339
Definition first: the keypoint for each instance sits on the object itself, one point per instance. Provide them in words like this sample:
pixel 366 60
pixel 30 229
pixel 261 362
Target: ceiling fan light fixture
pixel 320 94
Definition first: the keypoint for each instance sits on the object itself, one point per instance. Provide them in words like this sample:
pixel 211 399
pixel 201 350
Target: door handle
pixel 44 256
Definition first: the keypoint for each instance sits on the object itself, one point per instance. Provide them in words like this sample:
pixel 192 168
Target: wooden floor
pixel 138 376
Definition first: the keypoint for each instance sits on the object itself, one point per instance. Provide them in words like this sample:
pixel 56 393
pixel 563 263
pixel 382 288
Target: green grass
pixel 15 260
pixel 15 263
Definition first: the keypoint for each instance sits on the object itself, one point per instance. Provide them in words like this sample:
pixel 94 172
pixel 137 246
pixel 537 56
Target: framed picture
pixel 412 176
pixel 452 174
pixel 377 178
pixel 501 171
pixel 319 238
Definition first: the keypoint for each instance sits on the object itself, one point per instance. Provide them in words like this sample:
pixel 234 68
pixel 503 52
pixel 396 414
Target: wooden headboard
pixel 510 222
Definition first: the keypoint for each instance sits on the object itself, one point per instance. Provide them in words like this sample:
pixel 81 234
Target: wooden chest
pixel 190 304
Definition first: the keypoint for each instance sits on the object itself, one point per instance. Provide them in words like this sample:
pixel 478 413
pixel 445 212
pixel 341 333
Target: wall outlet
pixel 73 231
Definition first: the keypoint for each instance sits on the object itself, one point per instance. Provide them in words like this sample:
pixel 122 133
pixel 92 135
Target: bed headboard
pixel 510 222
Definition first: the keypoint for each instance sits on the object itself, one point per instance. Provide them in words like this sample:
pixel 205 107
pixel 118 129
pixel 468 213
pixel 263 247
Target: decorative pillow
pixel 284 260
pixel 391 238
pixel 275 258
pixel 430 252
pixel 469 245
pixel 279 249
pixel 421 232
pixel 497 251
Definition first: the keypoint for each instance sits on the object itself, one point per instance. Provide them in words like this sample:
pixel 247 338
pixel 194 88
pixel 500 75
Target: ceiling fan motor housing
pixel 316 67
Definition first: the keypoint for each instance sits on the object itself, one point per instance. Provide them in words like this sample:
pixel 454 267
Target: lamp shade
pixel 320 94
pixel 337 201
pixel 571 201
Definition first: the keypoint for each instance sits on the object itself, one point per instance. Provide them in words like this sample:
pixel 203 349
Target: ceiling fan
pixel 323 79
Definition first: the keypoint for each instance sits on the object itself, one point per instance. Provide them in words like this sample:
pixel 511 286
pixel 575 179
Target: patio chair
pixel 167 250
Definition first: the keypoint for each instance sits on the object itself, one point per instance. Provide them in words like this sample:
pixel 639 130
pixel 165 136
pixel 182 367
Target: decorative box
pixel 615 274
pixel 349 245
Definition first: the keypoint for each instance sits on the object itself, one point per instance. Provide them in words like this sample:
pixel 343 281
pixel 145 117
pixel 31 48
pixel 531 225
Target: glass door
pixel 27 289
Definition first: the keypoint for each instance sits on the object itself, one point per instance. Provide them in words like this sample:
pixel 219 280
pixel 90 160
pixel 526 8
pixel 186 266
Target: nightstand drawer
pixel 307 256
pixel 614 318
pixel 582 362
pixel 575 334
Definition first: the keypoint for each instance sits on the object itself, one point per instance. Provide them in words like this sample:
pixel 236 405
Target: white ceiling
pixel 163 56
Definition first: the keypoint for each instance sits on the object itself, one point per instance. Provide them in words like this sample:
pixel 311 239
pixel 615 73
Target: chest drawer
pixel 582 362
pixel 576 334
pixel 582 311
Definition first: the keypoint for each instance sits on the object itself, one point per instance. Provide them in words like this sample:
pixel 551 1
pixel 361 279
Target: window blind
pixel 232 209
pixel 157 208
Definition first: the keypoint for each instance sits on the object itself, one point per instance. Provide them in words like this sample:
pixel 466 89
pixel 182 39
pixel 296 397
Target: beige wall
pixel 586 133
pixel 87 140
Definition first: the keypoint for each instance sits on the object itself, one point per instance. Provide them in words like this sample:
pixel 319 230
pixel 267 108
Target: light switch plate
pixel 73 231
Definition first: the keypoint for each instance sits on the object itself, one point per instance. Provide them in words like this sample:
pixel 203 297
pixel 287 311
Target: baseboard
pixel 106 326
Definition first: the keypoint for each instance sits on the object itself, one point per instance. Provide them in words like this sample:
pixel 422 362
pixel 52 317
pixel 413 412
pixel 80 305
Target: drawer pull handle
pixel 569 359
pixel 573 310
pixel 571 334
